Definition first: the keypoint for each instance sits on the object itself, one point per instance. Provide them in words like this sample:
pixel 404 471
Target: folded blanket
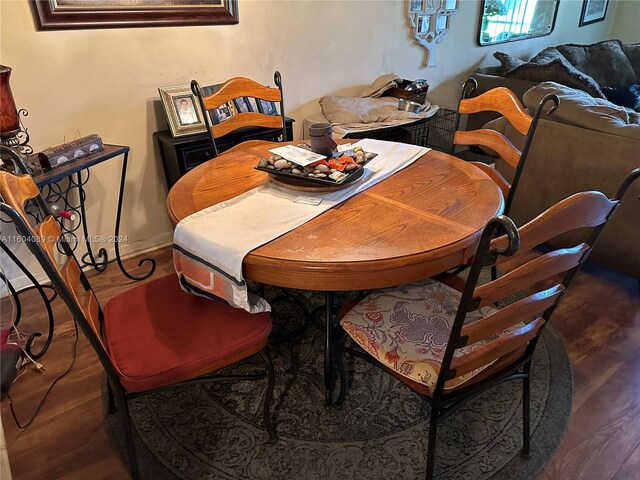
pixel 381 85
pixel 549 66
pixel 582 110
pixel 339 110
pixel 210 245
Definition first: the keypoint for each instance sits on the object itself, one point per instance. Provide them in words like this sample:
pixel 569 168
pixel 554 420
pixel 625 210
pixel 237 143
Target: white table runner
pixel 210 245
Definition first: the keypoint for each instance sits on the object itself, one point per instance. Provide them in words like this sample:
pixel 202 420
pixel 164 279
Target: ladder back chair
pixel 504 102
pixel 151 337
pixel 449 340
pixel 241 87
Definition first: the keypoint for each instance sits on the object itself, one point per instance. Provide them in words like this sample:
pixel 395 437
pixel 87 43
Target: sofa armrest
pixel 566 159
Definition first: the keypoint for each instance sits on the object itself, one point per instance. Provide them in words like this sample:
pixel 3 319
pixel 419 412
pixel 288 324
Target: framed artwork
pixel 182 110
pixel 415 5
pixel 267 107
pixel 593 11
pixel 243 105
pixel 442 22
pixel 79 14
pixel 222 113
pixel 423 24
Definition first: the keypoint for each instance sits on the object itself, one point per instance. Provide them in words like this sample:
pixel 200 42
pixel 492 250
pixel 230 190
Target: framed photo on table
pixel 593 11
pixel 242 104
pixel 222 113
pixel 182 110
pixel 266 107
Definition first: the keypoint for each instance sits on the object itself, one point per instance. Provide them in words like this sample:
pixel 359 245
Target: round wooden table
pixel 419 222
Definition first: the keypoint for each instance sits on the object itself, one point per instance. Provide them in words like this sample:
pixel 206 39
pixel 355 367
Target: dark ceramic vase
pixel 9 121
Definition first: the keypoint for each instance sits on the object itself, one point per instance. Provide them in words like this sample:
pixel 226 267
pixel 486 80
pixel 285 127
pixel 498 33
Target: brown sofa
pixel 587 144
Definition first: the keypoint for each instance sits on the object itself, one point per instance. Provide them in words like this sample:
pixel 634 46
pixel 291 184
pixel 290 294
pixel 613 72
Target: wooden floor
pixel 599 320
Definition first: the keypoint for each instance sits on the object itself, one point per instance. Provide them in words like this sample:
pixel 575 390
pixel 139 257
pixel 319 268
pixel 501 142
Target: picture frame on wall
pixel 81 14
pixel 266 107
pixel 415 5
pixel 182 110
pixel 593 11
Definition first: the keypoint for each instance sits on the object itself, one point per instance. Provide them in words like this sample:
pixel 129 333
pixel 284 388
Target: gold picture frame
pixel 182 110
pixel 79 14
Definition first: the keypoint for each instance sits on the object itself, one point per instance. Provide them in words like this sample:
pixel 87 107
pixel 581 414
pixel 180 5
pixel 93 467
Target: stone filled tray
pixel 319 174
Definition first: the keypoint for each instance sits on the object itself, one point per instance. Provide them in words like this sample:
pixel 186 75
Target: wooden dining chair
pixel 151 337
pixel 506 103
pixel 241 88
pixel 448 341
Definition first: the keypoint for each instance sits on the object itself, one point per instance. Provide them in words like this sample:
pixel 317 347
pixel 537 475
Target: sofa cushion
pixel 605 62
pixel 632 51
pixel 549 65
pixel 579 109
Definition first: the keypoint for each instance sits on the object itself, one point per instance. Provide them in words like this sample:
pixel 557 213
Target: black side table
pixel 179 155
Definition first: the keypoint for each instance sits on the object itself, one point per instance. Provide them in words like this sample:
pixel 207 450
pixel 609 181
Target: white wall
pixel 626 21
pixel 105 81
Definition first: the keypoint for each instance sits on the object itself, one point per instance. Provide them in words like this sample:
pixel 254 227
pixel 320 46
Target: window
pixel 510 20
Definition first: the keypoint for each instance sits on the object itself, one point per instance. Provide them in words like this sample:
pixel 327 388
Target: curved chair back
pixel 240 87
pixel 545 278
pixel 503 101
pixel 69 281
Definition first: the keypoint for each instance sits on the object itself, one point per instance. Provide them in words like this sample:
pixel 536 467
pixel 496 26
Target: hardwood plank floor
pixel 599 320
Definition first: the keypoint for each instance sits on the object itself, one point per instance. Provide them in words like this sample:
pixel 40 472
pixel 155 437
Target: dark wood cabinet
pixel 179 155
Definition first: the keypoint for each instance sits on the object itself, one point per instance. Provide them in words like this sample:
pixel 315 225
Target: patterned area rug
pixel 215 431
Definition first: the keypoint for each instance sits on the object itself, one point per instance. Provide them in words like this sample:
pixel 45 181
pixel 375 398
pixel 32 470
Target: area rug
pixel 215 431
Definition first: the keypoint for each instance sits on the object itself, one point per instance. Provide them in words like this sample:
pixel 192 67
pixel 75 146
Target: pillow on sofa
pixel 605 62
pixel 632 51
pixel 580 109
pixel 549 66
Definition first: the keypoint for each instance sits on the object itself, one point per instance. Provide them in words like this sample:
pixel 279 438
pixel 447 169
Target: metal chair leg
pixel 266 358
pixel 431 447
pixel 494 272
pixel 526 417
pixel 111 401
pixel 341 370
pixel 127 426
pixel 328 350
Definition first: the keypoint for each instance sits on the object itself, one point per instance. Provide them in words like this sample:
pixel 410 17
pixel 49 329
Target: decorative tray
pixel 339 171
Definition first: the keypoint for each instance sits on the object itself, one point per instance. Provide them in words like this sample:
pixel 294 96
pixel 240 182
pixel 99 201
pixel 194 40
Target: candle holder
pixel 13 134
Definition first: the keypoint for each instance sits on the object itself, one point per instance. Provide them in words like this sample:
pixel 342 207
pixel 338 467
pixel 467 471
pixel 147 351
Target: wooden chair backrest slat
pixel 507 317
pixel 16 190
pixel 495 349
pixel 85 300
pixel 584 209
pixel 490 139
pixel 246 119
pixel 538 269
pixel 494 175
pixel 240 87
pixel 48 233
pixel 500 100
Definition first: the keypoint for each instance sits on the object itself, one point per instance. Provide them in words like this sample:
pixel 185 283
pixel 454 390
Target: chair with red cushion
pixel 151 337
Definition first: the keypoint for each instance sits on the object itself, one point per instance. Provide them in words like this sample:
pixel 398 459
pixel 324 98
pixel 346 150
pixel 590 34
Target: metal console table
pixel 53 190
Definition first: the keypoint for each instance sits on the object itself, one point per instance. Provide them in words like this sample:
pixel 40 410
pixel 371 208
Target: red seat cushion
pixel 158 335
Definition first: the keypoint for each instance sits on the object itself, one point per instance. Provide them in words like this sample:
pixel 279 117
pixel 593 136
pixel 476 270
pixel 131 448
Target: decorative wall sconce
pixel 12 132
pixel 430 21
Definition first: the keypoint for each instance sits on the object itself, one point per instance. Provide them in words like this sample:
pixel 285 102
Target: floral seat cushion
pixel 407 328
